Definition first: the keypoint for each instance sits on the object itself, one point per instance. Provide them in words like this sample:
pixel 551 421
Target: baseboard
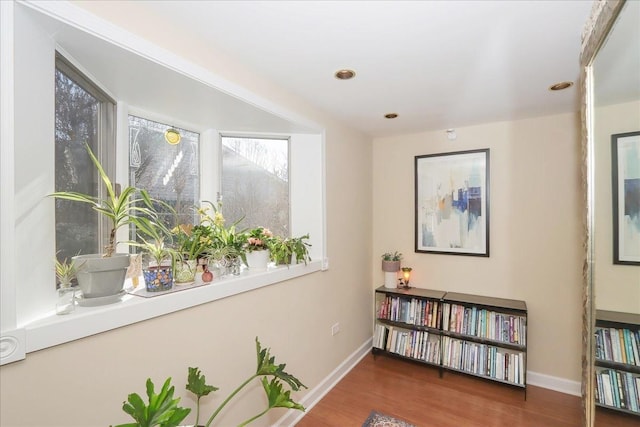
pixel 292 417
pixel 554 383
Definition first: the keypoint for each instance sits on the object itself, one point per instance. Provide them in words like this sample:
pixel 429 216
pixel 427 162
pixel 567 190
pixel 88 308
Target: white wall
pixel 535 227
pixel 617 287
pixel 83 383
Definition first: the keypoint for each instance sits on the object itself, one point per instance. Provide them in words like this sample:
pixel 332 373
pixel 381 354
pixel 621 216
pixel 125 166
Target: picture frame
pixel 452 203
pixel 625 178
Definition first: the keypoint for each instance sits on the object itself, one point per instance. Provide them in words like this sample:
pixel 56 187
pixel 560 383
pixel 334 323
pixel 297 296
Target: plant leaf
pixel 277 397
pixel 197 383
pixel 267 366
pixel 162 410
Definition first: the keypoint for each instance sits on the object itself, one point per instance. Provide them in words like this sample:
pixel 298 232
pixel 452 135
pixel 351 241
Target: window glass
pixel 255 182
pixel 76 123
pixel 166 164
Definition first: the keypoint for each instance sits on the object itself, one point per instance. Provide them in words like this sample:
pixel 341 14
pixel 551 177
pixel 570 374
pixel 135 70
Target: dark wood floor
pixel 418 395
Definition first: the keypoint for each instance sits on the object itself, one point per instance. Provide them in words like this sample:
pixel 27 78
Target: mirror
pixel 611 106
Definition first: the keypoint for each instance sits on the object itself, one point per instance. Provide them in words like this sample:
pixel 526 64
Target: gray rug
pixel 376 419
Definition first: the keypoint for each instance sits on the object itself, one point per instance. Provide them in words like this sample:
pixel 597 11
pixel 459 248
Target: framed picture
pixel 452 203
pixel 625 176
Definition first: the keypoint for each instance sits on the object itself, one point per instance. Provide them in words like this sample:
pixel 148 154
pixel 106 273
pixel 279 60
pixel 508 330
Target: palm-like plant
pixel 120 209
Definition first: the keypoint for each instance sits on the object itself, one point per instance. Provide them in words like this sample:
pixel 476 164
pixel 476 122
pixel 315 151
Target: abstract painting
pixel 452 203
pixel 625 174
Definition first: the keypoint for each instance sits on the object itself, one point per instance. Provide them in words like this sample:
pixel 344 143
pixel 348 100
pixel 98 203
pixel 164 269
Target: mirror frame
pixel 596 30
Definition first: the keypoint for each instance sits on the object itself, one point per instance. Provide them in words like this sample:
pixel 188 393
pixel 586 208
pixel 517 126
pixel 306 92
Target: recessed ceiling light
pixel 561 86
pixel 390 116
pixel 345 74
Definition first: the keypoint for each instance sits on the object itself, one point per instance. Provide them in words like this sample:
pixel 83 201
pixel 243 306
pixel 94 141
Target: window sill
pixel 87 321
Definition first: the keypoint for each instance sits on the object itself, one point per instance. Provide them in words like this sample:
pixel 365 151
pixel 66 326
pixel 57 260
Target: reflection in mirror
pixel 616 285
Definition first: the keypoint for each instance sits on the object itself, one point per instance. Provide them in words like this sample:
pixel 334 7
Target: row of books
pixel 618 345
pixel 414 344
pixel 412 311
pixel 618 389
pixel 484 323
pixel 482 359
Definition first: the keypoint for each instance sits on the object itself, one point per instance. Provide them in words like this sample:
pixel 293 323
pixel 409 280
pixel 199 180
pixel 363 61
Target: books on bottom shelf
pixel 419 345
pixel 618 389
pixel 482 359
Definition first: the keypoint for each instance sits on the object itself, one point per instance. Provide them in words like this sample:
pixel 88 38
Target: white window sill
pixel 86 321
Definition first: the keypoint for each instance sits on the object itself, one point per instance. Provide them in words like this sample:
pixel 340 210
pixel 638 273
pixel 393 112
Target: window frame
pixel 106 129
pixel 21 333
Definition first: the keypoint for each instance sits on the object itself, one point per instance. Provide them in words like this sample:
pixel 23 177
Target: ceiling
pixel 437 64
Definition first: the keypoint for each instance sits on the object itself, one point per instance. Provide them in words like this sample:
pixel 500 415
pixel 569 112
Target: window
pixel 83 115
pixel 255 182
pixel 168 170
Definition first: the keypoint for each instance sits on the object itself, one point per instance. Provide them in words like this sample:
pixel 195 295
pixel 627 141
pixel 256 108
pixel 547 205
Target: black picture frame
pixel 625 179
pixel 452 203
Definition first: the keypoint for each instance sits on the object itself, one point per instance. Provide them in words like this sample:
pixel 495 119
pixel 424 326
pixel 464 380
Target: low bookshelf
pixel 476 335
pixel 617 338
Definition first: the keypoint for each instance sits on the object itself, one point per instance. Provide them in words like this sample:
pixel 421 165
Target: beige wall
pixel 84 383
pixel 617 287
pixel 535 227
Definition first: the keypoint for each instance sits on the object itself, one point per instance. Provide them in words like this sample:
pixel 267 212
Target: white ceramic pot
pixel 258 260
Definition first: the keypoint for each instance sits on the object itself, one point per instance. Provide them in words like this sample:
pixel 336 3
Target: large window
pixel 164 161
pixel 83 115
pixel 255 182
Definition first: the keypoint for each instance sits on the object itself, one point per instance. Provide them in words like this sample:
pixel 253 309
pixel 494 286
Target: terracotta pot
pixel 390 266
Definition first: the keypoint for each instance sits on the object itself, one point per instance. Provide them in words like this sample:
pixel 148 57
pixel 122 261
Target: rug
pixel 376 419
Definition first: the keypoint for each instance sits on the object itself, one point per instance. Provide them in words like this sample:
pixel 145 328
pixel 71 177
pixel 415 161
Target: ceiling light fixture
pixel 345 74
pixel 561 86
pixel 390 116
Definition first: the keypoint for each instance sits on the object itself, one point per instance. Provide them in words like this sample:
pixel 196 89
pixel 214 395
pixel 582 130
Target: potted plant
pixel 257 252
pixel 65 273
pixel 391 266
pixel 161 257
pixel 102 275
pixel 391 261
pixel 288 250
pixel 163 410
pixel 192 244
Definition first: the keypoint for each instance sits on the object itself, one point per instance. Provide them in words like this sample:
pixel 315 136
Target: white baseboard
pixel 554 383
pixel 292 417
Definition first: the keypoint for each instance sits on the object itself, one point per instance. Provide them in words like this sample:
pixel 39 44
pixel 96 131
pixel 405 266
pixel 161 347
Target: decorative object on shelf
pixel 257 248
pixel 65 273
pixel 163 406
pixel 158 278
pixel 452 203
pixel 185 271
pixel 406 276
pixel 391 266
pixel 103 275
pixel 207 276
pixel 289 250
pixel 625 176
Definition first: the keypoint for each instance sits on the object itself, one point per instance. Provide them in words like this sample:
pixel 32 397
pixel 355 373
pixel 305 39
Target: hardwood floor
pixel 418 395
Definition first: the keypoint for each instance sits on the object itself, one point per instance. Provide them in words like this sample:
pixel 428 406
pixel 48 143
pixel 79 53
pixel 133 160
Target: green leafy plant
pixel 163 411
pixel 258 239
pixel 395 256
pixel 282 249
pixel 65 272
pixel 120 208
pixel 155 241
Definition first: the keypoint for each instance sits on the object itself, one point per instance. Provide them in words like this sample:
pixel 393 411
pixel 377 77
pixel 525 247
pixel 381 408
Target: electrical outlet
pixel 335 329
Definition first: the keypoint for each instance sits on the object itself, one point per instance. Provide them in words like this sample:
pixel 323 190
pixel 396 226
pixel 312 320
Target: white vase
pixel 390 279
pixel 258 260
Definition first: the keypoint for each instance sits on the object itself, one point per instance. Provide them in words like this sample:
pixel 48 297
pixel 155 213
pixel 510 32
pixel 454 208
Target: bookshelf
pixel 617 337
pixel 476 335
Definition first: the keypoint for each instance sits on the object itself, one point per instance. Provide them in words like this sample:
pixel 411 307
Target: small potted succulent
pixel 65 274
pixel 391 261
pixel 391 266
pixel 159 257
